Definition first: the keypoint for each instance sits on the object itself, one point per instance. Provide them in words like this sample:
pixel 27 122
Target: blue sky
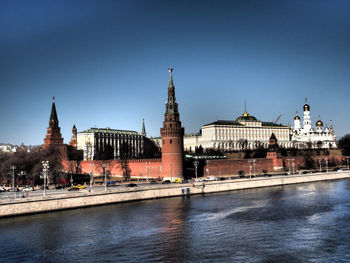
pixel 106 63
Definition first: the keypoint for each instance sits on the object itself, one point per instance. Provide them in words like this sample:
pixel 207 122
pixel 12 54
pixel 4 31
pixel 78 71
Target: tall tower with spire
pixel 53 135
pixel 143 128
pixel 172 136
pixel 73 141
pixel 307 119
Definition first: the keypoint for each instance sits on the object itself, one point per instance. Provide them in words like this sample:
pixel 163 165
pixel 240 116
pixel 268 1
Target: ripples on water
pixel 300 223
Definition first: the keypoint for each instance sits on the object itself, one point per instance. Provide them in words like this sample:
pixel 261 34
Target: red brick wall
pixel 136 168
pixel 231 167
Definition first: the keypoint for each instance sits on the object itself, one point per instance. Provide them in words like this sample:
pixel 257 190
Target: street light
pixel 195 163
pixel 45 170
pixel 326 165
pixel 250 168
pixel 347 161
pixel 319 161
pixel 91 176
pixel 105 165
pixel 13 168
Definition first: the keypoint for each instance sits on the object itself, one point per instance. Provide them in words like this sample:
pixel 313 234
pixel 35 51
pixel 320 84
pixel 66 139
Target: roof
pixel 236 123
pixel 109 130
pixel 223 122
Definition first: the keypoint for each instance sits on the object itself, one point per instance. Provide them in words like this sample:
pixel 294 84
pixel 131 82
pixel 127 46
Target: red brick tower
pixel 53 136
pixel 274 153
pixel 172 136
pixel 73 141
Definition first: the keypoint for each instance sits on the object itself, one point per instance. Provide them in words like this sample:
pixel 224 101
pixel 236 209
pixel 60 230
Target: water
pixel 300 223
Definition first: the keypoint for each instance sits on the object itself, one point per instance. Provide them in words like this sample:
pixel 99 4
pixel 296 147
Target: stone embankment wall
pixel 70 201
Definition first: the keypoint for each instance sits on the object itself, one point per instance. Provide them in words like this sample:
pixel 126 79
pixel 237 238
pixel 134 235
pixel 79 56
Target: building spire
pixel 143 128
pixel 53 115
pixel 171 104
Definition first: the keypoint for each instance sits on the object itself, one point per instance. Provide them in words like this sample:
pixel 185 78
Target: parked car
pixel 13 189
pixel 185 181
pixel 241 173
pixel 2 189
pixel 166 182
pixel 153 182
pixel 210 178
pixel 79 186
pixel 27 189
pixel 73 189
pixel 178 180
pixel 131 185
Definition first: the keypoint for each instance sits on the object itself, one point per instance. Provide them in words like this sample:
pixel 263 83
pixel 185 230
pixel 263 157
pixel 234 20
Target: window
pixel 171 141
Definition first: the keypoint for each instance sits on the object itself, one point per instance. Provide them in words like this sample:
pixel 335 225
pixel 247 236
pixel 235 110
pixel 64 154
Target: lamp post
pixel 319 161
pixel 45 170
pixel 250 168
pixel 195 163
pixel 13 168
pixel 254 166
pixel 347 161
pixel 91 176
pixel 326 165
pixel 293 166
pixel 105 165
pixel 147 167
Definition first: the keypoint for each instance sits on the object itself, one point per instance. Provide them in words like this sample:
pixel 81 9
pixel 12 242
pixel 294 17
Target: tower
pixel 143 128
pixel 172 136
pixel 73 141
pixel 297 122
pixel 307 119
pixel 53 136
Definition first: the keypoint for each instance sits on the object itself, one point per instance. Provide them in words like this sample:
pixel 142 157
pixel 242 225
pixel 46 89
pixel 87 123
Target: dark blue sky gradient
pixel 106 63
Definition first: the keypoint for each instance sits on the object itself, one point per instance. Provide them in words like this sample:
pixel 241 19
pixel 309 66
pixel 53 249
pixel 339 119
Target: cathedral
pixel 307 136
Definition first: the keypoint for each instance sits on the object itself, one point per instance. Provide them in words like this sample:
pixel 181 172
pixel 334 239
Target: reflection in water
pixel 300 223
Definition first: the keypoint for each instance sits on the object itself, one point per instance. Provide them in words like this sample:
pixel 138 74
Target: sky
pixel 106 62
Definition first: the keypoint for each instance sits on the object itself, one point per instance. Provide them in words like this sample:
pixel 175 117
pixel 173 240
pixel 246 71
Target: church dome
pixel 246 117
pixel 306 107
pixel 319 123
pixel 296 117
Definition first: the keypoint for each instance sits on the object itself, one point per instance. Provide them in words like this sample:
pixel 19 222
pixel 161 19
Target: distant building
pixel 307 136
pixel 246 132
pixel 117 144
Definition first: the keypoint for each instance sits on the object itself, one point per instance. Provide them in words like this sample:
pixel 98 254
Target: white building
pixel 308 137
pixel 246 132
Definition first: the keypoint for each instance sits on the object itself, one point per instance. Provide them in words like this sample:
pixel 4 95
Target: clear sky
pixel 106 63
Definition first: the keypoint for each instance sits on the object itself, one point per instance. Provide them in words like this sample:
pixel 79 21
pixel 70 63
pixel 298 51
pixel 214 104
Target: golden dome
pixel 319 123
pixel 296 117
pixel 246 117
pixel 306 107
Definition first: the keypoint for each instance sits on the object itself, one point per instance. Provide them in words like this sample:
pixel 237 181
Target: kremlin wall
pixel 131 145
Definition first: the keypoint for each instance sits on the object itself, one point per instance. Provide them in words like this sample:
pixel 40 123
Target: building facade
pixel 306 136
pixel 114 144
pixel 246 132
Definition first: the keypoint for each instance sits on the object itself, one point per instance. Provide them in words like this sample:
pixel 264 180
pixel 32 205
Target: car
pixel 153 182
pixel 185 181
pixel 166 182
pixel 13 189
pixel 112 185
pixel 2 189
pixel 79 186
pixel 72 189
pixel 27 189
pixel 340 170
pixel 210 178
pixel 42 187
pixel 178 180
pixel 131 185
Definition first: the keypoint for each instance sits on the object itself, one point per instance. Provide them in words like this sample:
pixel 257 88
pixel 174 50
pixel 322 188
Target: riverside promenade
pixel 40 204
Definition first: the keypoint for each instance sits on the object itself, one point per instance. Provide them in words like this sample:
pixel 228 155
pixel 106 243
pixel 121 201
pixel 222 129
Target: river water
pixel 297 223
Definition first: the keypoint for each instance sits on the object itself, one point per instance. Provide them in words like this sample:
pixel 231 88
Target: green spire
pixel 143 128
pixel 171 105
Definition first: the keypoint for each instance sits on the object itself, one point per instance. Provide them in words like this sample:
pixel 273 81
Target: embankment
pixel 77 200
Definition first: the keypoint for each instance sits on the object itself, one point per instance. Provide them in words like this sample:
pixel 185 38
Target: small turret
pixel 73 141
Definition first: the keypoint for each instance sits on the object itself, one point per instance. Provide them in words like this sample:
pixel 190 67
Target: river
pixel 295 223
